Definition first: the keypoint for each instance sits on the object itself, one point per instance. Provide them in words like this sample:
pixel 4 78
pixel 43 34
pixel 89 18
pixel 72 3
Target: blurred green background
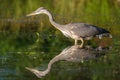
pixel 104 13
pixel 33 41
pixel 16 28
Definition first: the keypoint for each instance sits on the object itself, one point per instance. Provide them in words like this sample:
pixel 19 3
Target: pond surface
pixel 23 54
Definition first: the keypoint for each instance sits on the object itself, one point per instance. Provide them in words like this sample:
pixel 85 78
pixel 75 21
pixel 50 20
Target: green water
pixel 18 51
pixel 33 42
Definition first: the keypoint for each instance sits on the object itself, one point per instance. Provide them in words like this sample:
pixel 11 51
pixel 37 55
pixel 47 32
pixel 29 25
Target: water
pixel 66 61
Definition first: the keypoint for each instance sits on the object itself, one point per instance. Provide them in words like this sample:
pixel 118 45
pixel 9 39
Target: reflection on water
pixel 23 49
pixel 74 54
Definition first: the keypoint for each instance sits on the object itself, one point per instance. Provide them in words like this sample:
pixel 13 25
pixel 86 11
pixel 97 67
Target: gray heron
pixel 76 31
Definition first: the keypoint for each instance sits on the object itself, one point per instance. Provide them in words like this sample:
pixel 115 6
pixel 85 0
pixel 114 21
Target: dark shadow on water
pixel 72 54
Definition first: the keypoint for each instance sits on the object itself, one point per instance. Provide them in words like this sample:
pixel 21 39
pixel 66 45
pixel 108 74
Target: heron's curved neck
pixel 55 59
pixel 56 25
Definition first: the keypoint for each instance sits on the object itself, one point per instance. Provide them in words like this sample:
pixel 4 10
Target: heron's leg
pixel 110 36
pixel 75 42
pixel 82 42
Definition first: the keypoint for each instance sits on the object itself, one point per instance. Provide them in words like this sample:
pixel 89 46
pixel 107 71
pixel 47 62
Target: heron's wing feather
pixel 85 30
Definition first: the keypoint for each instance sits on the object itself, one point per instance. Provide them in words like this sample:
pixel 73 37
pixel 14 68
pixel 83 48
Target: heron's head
pixel 40 10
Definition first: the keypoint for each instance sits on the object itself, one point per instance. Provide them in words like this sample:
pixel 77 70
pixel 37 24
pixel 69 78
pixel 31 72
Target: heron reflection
pixel 74 54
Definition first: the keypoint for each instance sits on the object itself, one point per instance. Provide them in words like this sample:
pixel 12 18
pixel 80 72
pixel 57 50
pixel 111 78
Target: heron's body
pixel 83 30
pixel 76 31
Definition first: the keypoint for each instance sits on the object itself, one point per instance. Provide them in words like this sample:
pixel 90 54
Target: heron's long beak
pixel 31 14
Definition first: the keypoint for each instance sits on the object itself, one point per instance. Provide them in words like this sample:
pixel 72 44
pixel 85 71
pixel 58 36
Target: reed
pixel 103 13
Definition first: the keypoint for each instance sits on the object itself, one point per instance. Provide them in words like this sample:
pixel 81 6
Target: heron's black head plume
pixel 39 9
